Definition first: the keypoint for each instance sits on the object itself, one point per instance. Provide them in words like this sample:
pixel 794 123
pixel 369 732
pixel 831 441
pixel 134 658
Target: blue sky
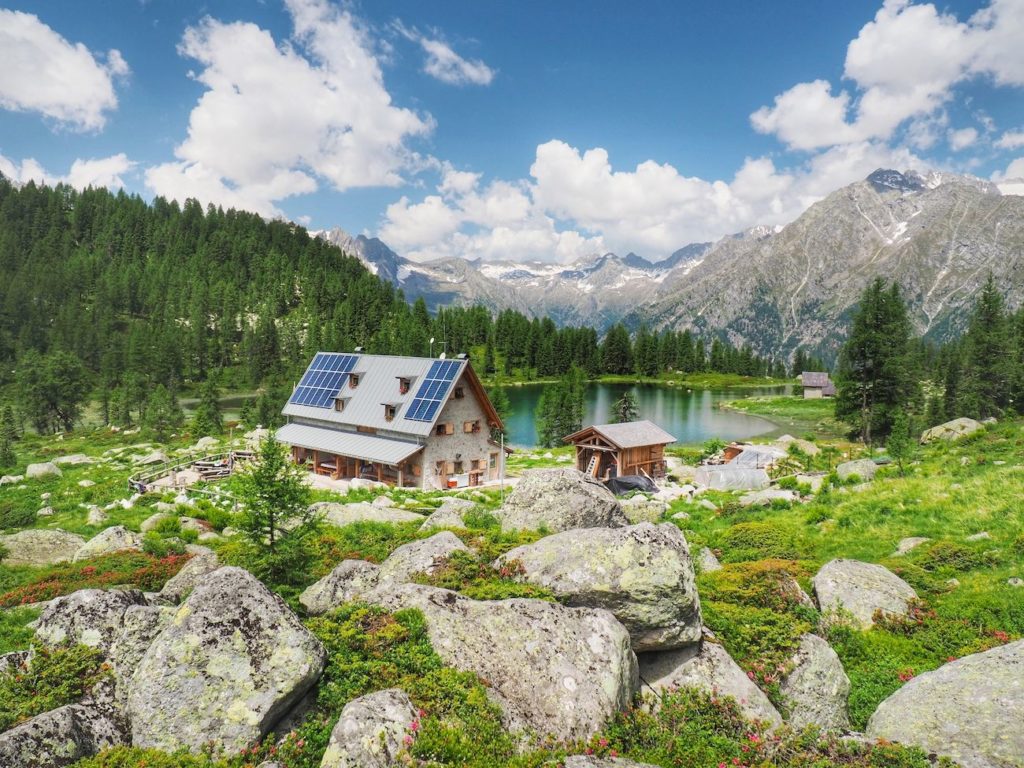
pixel 509 129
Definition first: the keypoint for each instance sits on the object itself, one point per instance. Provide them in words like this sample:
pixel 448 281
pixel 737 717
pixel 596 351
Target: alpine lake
pixel 692 416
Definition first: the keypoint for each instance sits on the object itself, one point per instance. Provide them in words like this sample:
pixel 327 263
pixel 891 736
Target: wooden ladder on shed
pixel 595 459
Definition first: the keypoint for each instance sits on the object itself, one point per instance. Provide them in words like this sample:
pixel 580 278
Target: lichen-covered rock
pixel 640 509
pixel 765 497
pixel 951 430
pixel 552 669
pixel 816 688
pixel 861 589
pixel 40 547
pixel 96 516
pixel 63 736
pixel 361 512
pixel 113 539
pixel 139 627
pixel 909 543
pixel 74 459
pixel 970 710
pixel 91 617
pixel 11 479
pixel 865 469
pixel 153 521
pixel 707 562
pixel 443 518
pixel 185 580
pixel 641 573
pixel 231 663
pixel 419 556
pixel 560 500
pixel 448 515
pixel 43 469
pixel 711 669
pixel 349 581
pixel 592 761
pixel 370 731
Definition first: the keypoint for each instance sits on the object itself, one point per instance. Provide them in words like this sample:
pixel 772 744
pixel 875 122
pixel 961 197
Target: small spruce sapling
pixel 900 444
pixel 276 519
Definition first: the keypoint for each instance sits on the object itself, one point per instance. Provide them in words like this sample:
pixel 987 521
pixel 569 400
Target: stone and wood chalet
pixel 412 422
pixel 616 450
pixel 816 385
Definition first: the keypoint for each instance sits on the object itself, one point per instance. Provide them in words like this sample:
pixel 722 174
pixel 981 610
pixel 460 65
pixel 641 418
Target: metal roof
pixel 814 379
pixel 353 444
pixel 631 434
pixel 378 384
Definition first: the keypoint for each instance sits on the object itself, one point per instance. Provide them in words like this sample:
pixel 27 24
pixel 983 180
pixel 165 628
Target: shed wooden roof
pixel 630 434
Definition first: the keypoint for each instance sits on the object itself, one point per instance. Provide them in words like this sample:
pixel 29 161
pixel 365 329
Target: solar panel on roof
pixel 433 390
pixel 323 379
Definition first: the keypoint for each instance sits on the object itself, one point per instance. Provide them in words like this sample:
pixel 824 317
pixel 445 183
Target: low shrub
pixel 14 634
pixel 51 679
pixel 15 516
pixel 949 556
pixel 138 569
pixel 466 573
pixel 758 540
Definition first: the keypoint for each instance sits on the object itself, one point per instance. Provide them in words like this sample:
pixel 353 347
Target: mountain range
pixel 938 235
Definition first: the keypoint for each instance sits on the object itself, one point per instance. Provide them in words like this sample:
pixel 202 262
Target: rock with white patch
pixel 114 539
pixel 42 469
pixel 969 710
pixel 951 430
pixel 40 547
pixel 560 500
pixel 349 581
pixel 371 731
pixel 710 668
pixel 861 589
pixel 816 687
pixel 552 669
pixel 91 617
pixel 642 573
pixel 233 660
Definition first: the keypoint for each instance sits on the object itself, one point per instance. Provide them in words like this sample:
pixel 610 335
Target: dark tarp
pixel 628 483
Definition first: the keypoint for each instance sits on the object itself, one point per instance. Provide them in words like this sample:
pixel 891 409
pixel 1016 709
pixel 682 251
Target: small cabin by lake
pixel 616 450
pixel 816 385
pixel 411 422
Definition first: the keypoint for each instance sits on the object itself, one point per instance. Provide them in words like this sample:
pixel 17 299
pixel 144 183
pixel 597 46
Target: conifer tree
pixel 625 408
pixel 988 372
pixel 163 414
pixel 900 444
pixel 560 409
pixel 276 518
pixel 208 419
pixel 873 382
pixel 8 436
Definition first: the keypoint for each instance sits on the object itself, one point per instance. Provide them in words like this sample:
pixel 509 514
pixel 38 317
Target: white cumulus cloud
pixel 41 71
pixel 444 64
pixel 1011 140
pixel 277 117
pixel 576 204
pixel 962 138
pixel 903 65
pixel 99 172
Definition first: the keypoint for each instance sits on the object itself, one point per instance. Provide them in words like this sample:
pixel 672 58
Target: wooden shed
pixel 615 450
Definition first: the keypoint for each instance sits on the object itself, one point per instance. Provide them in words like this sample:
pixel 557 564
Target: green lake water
pixel 691 416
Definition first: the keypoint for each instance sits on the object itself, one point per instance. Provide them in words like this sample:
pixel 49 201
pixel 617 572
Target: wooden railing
pixel 213 466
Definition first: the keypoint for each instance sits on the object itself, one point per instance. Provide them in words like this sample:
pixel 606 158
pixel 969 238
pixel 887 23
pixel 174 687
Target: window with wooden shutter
pixel 449 428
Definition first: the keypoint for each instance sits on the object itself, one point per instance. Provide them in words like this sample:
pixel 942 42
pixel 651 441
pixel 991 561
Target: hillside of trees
pixel 109 297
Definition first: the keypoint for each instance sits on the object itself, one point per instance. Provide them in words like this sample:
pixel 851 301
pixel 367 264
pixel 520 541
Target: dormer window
pixel 339 403
pixel 353 380
pixel 404 385
pixel 459 393
pixel 390 411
